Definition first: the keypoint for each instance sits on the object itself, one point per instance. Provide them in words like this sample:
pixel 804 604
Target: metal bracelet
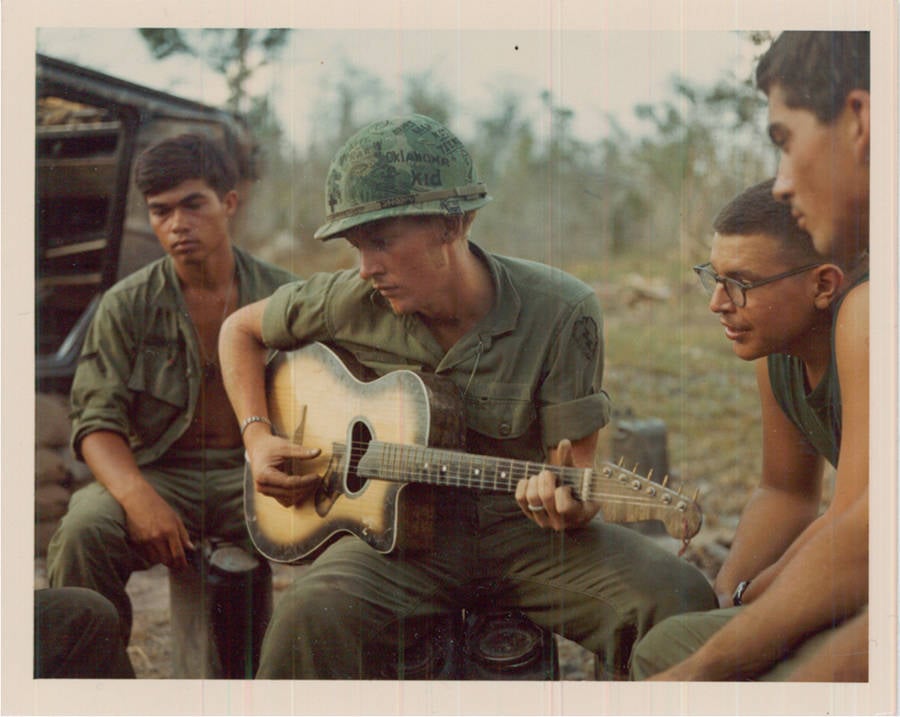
pixel 256 419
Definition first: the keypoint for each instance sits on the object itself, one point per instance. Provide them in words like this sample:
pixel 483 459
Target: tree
pixel 237 54
pixel 707 146
pixel 425 97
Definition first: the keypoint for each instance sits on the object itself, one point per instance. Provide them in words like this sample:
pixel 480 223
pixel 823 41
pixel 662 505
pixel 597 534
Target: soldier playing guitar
pixel 523 344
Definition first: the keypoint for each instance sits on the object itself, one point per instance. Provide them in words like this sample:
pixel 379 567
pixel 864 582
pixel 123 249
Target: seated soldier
pixel 150 414
pixel 817 83
pixel 523 343
pixel 779 302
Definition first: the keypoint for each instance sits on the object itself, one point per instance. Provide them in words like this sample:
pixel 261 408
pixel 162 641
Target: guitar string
pixel 653 504
pixel 463 462
pixel 457 465
pixel 514 471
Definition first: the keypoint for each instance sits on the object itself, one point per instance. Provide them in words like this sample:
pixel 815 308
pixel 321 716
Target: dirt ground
pixel 151 651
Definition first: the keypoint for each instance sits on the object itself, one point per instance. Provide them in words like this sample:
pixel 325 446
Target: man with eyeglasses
pixel 777 300
pixel 802 616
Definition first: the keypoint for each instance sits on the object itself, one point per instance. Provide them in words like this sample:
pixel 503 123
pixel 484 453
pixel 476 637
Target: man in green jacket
pixel 150 414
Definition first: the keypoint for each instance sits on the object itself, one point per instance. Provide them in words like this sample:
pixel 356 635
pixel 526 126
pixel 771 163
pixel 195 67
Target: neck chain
pixel 210 366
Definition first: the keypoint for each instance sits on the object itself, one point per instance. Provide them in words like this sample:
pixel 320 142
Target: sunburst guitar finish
pixel 386 445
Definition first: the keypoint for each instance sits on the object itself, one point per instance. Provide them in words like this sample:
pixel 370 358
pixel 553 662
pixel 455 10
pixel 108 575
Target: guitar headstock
pixel 628 497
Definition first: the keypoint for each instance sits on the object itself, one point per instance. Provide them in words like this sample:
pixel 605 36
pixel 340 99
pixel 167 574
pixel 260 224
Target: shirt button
pixel 504 429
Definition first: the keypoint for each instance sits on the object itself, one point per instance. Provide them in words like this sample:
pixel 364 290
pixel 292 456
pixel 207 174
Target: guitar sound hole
pixel 360 436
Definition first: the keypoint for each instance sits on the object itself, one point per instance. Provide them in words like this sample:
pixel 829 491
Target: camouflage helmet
pixel 402 166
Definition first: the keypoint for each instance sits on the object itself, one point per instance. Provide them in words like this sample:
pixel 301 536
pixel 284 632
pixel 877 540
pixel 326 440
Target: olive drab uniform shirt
pixel 530 371
pixel 140 372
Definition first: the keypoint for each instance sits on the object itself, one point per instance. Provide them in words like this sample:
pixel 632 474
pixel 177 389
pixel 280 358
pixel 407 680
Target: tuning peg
pixel 650 474
pixel 696 495
pixel 634 470
pixel 621 461
pixel 665 481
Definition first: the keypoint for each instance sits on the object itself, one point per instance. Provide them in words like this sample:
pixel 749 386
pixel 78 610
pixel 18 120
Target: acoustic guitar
pixel 387 443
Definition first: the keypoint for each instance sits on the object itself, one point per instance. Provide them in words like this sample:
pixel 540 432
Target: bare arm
pixel 827 581
pixel 785 502
pixel 152 523
pixel 843 658
pixel 243 357
pixel 852 479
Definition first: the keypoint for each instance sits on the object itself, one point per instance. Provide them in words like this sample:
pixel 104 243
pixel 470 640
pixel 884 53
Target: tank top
pixel 817 413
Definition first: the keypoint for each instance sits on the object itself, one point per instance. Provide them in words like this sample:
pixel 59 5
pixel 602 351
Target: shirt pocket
pixel 501 411
pixel 503 423
pixel 159 375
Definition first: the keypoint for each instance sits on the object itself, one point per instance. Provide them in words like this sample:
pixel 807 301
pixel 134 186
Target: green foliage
pixel 707 146
pixel 165 41
pixel 236 54
pixel 590 204
pixel 423 99
pixel 565 199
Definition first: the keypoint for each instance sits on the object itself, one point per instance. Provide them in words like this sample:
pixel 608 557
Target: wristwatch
pixel 738 597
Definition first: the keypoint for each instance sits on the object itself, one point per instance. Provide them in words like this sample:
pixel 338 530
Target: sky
pixel 596 73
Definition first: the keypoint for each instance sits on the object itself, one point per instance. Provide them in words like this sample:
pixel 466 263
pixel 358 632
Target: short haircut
pixel 816 70
pixel 756 211
pixel 188 156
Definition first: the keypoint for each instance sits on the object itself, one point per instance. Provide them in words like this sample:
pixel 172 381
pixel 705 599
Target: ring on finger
pixel 536 508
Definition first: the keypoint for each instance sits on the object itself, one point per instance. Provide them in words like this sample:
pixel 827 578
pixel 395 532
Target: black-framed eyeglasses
pixel 736 289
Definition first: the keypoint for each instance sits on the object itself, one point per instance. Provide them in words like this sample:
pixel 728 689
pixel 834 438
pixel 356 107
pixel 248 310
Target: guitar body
pixel 388 445
pixel 321 398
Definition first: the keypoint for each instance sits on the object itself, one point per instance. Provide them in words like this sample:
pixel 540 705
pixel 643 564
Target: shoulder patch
pixel 584 332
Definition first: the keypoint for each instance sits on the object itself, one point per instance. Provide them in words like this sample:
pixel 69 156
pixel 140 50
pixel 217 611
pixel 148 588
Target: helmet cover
pixel 403 166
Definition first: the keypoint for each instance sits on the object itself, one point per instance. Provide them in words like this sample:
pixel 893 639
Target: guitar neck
pixel 435 466
pixel 624 496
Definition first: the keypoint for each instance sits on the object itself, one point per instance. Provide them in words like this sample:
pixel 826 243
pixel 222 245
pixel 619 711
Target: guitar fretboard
pixel 612 484
pixel 421 464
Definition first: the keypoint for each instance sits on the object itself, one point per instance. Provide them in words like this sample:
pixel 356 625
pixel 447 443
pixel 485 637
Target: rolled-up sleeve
pixel 296 313
pixel 572 402
pixel 100 399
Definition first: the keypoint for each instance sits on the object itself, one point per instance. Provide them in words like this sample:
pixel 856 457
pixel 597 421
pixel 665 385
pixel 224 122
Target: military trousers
pixel 680 636
pixel 91 547
pixel 76 635
pixel 354 609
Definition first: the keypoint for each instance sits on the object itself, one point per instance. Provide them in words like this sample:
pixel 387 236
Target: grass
pixel 668 359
